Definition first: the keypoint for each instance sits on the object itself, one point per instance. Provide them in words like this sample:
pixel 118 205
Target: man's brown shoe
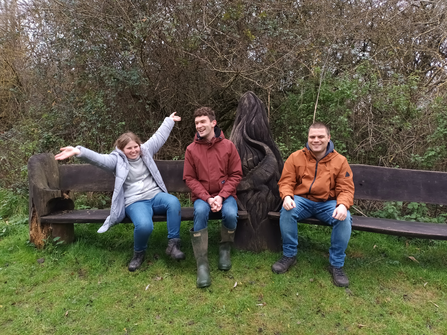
pixel 339 277
pixel 283 264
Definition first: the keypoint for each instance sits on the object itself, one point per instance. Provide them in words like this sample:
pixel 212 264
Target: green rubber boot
pixel 199 241
pixel 225 248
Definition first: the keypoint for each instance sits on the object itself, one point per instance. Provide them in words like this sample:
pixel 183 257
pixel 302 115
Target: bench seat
pixel 435 231
pixel 99 216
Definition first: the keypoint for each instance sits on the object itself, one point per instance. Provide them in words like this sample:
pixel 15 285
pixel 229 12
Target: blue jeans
pixel 141 213
pixel 202 212
pixel 341 230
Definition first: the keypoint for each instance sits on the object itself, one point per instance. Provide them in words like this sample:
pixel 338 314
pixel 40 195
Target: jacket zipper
pixel 315 177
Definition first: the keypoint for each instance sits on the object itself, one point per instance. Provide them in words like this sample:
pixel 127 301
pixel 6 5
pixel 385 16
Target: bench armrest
pixel 44 192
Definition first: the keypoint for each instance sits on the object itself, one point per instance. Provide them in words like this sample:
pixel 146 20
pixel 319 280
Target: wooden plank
pixel 371 182
pixel 172 174
pixel 89 178
pixel 99 216
pixel 85 178
pixel 435 231
pixel 391 184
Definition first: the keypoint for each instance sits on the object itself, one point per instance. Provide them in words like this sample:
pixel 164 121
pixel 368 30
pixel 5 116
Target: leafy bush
pixel 413 211
pixel 373 121
pixel 297 111
pixel 13 206
pixel 13 211
pixel 92 200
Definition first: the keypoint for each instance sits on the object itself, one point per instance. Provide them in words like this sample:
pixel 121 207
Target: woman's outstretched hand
pixel 175 117
pixel 67 152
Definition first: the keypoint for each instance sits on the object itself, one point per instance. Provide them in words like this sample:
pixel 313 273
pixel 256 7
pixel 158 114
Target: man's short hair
pixel 205 111
pixel 320 125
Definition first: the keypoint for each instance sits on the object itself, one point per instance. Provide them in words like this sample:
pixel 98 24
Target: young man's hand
pixel 288 203
pixel 218 200
pixel 215 203
pixel 340 213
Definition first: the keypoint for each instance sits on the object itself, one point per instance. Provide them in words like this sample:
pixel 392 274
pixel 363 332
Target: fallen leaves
pixel 413 259
pixel 70 310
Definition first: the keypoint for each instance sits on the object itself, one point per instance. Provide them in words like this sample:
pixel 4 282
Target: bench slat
pixel 99 216
pixel 391 184
pixel 435 231
pixel 89 178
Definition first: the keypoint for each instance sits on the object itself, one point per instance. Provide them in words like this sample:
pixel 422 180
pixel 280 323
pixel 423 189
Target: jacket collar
pixel 120 153
pixel 218 136
pixel 330 149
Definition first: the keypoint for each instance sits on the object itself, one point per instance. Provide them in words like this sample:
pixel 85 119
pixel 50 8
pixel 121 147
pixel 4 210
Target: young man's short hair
pixel 205 111
pixel 320 125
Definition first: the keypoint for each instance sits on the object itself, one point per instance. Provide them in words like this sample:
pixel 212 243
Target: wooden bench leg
pixel 65 231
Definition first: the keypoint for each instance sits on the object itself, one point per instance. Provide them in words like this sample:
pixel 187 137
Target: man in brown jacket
pixel 316 182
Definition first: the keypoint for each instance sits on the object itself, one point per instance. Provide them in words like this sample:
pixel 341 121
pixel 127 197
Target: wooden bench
pixel 391 184
pixel 52 211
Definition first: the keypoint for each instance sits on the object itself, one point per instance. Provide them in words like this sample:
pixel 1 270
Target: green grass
pixel 85 287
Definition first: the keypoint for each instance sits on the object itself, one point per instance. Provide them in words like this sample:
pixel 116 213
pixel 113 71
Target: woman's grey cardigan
pixel 117 163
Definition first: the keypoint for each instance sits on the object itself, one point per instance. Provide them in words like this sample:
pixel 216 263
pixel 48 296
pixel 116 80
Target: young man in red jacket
pixel 316 181
pixel 212 171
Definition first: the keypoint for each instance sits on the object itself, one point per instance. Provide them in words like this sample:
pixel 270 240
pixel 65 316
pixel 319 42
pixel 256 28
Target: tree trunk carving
pixel 262 166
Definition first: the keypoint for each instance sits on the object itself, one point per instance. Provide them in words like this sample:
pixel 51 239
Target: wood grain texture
pixel 44 195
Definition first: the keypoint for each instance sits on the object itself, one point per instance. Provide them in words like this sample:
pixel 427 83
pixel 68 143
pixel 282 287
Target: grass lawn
pixel 398 286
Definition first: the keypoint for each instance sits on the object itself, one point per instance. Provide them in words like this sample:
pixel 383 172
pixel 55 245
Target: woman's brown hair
pixel 125 138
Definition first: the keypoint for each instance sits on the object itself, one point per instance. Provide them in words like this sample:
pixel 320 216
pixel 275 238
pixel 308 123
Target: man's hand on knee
pixel 210 202
pixel 340 212
pixel 213 205
pixel 288 203
pixel 218 200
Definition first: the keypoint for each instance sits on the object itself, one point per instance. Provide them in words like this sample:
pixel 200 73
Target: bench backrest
pixel 371 182
pixel 89 178
pixel 392 184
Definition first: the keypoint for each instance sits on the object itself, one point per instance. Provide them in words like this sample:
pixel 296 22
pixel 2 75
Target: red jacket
pixel 329 179
pixel 212 168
